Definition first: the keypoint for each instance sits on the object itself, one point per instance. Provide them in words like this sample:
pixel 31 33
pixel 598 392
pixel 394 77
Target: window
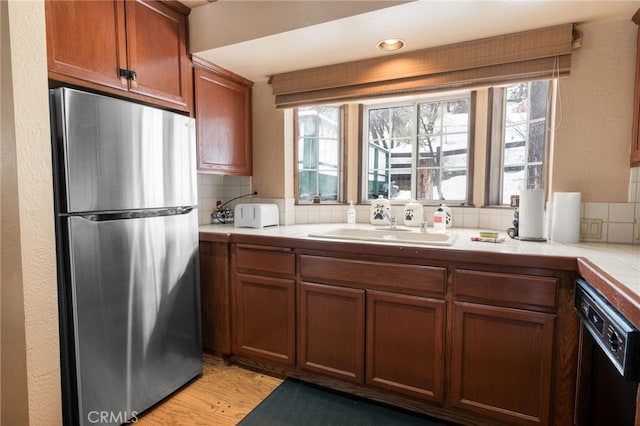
pixel 422 148
pixel 319 153
pixel 520 138
pixel 419 150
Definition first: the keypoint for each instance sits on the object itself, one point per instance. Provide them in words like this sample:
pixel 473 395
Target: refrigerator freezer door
pixel 118 155
pixel 136 311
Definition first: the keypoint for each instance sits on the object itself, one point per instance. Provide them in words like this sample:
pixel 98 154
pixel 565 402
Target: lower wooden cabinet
pixel 264 318
pixel 331 331
pixel 215 298
pixel 405 345
pixel 464 342
pixel 502 362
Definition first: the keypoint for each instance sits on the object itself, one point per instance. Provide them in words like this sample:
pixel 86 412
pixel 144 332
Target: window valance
pixel 540 53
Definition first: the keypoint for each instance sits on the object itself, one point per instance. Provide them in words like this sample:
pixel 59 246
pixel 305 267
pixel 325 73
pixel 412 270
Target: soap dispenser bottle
pixel 448 216
pixel 439 221
pixel 351 214
pixel 442 219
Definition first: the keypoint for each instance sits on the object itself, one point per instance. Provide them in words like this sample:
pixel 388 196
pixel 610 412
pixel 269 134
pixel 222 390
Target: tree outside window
pixel 419 151
pixel 524 137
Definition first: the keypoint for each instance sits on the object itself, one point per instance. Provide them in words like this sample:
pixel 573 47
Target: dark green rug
pixel 296 403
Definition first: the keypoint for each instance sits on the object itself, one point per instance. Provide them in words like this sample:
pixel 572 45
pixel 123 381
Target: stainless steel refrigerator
pixel 127 247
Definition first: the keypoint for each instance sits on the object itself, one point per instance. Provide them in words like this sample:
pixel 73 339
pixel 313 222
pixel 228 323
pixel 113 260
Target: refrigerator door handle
pixel 184 209
pixel 136 214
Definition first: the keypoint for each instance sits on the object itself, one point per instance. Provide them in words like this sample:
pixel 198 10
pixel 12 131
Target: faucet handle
pixel 390 215
pixel 391 218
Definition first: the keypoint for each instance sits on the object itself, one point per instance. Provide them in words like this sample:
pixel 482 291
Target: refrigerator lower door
pixel 136 309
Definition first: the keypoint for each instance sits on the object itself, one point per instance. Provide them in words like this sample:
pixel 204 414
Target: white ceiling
pixel 257 55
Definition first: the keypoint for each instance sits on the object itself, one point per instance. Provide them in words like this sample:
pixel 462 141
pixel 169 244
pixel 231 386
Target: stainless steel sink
pixel 398 236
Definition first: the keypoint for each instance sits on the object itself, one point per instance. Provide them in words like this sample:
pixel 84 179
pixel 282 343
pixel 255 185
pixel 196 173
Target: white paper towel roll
pixel 565 220
pixel 531 213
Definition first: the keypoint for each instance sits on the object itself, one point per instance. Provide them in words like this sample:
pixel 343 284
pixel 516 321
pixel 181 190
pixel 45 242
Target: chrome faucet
pixel 391 218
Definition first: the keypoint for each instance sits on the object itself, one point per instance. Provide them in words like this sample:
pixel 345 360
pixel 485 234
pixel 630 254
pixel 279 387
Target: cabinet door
pixel 405 344
pixel 502 363
pixel 157 52
pixel 86 41
pixel 215 298
pixel 331 331
pixel 223 123
pixel 263 320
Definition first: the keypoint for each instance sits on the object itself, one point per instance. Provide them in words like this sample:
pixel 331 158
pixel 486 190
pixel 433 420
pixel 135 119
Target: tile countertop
pixel 617 263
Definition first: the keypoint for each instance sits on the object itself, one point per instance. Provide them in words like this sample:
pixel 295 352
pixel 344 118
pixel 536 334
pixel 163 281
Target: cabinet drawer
pixel 374 275
pixel 274 260
pixel 524 291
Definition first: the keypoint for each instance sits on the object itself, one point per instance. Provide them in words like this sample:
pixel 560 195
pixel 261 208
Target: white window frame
pixel 495 159
pixel 340 155
pixel 414 102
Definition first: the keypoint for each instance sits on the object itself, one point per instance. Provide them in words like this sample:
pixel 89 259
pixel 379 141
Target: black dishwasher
pixel 609 362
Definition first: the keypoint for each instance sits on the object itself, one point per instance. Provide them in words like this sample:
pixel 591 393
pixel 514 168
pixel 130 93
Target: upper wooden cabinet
pixel 223 120
pixel 635 134
pixel 135 48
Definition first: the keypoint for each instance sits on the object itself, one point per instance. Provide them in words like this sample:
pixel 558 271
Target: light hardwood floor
pixel 222 396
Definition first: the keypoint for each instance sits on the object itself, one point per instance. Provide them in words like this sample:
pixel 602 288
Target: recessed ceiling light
pixel 391 44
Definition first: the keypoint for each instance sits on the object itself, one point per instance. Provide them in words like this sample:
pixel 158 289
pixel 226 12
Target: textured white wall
pixel 272 167
pixel 30 349
pixel 593 140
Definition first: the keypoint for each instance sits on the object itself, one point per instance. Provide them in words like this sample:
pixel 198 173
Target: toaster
pixel 255 215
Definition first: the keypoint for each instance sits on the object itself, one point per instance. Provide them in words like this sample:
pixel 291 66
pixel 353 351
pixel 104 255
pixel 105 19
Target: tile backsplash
pixel 214 188
pixel 612 222
pixel 618 220
pixel 634 185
